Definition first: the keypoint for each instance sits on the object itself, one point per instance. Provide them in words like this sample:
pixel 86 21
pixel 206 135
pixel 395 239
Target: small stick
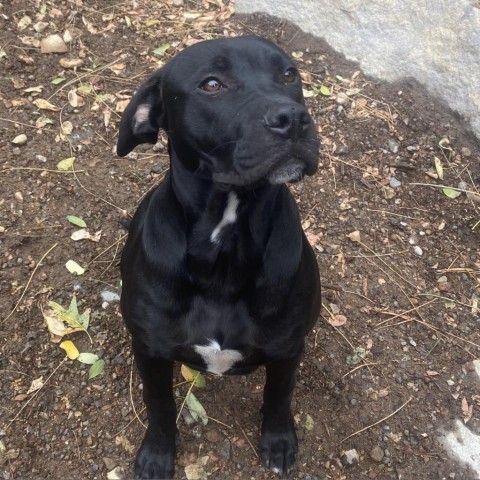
pixel 108 248
pixel 35 393
pixel 37 169
pixel 379 421
pixel 131 398
pixel 462 190
pixel 93 194
pixel 402 314
pixel 247 439
pixel 29 281
pixel 357 367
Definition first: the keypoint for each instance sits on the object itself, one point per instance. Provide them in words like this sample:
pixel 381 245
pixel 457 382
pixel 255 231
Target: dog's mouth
pixel 289 168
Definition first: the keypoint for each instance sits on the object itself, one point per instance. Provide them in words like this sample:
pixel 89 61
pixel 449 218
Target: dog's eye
pixel 211 85
pixel 290 75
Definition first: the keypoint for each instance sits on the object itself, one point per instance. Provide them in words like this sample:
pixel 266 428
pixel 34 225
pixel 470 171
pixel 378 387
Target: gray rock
pixel 117 473
pixel 417 250
pixel 224 449
pixel 350 458
pixel 394 182
pixel 110 463
pixel 393 145
pixel 377 454
pixel 109 297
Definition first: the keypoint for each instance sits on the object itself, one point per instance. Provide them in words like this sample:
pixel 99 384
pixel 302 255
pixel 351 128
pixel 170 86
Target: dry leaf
pixel 56 326
pixel 196 471
pixel 354 236
pixel 37 384
pixel 338 320
pixel 70 62
pixel 53 44
pixel 67 127
pixel 45 105
pixel 467 410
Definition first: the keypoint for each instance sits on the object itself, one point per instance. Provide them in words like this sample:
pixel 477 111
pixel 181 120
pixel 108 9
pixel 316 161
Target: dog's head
pixel 233 109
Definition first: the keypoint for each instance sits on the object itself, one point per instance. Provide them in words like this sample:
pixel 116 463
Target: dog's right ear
pixel 143 117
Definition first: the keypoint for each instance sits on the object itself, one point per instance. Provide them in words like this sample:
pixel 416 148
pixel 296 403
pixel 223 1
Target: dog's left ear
pixel 143 117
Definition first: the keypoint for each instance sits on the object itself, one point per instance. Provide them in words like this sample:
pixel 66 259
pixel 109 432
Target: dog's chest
pixel 218 360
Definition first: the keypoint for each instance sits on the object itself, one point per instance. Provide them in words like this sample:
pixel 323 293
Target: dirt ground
pixel 389 364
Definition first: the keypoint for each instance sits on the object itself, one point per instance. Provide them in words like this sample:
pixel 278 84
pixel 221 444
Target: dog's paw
pixel 279 446
pixel 155 460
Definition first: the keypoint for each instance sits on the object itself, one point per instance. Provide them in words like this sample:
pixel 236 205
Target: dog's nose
pixel 289 121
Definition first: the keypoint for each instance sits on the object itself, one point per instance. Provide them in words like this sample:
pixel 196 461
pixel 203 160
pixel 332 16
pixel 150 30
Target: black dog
pixel 217 272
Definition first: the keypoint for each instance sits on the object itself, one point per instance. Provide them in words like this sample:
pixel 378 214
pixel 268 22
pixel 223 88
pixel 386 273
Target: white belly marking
pixel 218 361
pixel 229 216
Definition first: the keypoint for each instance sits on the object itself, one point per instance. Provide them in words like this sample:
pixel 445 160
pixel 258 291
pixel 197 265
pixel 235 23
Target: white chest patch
pixel 218 361
pixel 229 216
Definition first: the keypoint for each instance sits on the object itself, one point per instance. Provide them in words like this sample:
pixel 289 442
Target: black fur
pixel 255 287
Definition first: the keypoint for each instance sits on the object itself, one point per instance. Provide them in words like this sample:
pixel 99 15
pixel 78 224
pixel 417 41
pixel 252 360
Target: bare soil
pixel 402 295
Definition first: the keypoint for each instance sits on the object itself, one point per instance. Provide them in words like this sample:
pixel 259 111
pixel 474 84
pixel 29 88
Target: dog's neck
pixel 210 208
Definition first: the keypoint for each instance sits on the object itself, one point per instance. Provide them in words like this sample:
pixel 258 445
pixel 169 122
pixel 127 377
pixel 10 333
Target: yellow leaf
pixel 191 375
pixel 70 349
pixel 66 164
pixel 439 168
pixel 73 267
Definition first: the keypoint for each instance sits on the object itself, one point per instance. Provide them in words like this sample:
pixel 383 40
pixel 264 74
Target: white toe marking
pixel 218 361
pixel 229 216
pixel 142 113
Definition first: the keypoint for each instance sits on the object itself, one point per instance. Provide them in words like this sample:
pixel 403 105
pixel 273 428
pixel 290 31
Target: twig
pixel 93 194
pixel 444 298
pixel 130 389
pixel 113 258
pixel 38 169
pixel 357 367
pixel 247 439
pixel 108 248
pixel 26 125
pixel 379 421
pixel 185 399
pixel 445 186
pixel 35 393
pixel 29 281
pixel 402 314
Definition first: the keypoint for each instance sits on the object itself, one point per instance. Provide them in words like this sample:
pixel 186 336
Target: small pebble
pixel 157 168
pixel 110 463
pixel 342 98
pixel 393 146
pixel 19 197
pixel 108 296
pixel 41 158
pixel 377 454
pixel 466 152
pixel 350 458
pixel 213 436
pixel 116 474
pixel 417 250
pixel 394 182
pixel 20 139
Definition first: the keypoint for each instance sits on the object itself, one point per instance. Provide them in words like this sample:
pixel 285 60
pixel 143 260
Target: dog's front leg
pixel 156 456
pixel 279 443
